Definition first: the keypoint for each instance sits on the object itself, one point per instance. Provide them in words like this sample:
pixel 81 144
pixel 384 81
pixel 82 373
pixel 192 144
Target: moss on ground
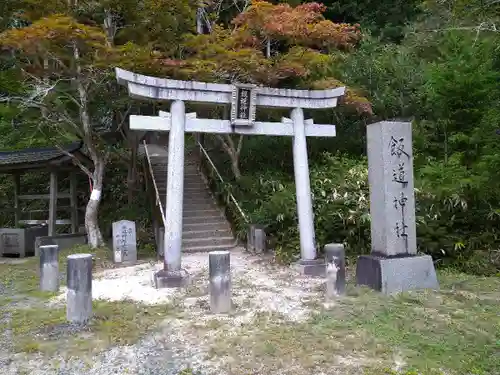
pixel 37 327
pixel 453 331
pixel 45 330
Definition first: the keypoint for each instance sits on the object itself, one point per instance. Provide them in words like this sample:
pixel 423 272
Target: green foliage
pixel 117 207
pixel 443 73
pixel 385 18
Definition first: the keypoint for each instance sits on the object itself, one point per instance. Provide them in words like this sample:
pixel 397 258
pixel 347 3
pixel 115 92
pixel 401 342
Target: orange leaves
pixel 352 98
pixel 52 34
pixel 304 25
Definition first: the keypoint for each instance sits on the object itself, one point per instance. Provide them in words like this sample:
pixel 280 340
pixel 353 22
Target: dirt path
pixel 188 339
pixel 279 325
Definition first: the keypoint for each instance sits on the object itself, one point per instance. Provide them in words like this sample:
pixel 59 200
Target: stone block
pixel 20 241
pixel 171 279
pixel 63 241
pixel 315 267
pixel 396 274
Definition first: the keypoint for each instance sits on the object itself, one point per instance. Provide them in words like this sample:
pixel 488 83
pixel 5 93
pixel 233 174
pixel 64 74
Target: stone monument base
pixel 396 274
pixel 171 279
pixel 315 267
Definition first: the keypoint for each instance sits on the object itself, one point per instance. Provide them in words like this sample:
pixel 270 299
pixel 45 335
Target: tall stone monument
pixel 393 265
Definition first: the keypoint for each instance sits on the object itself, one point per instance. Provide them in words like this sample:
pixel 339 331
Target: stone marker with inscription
pixel 393 265
pixel 124 241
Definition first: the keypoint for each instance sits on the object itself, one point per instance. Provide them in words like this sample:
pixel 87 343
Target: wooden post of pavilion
pixel 17 193
pixel 53 203
pixel 73 202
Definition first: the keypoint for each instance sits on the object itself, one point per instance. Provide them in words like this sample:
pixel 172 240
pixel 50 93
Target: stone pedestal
pixel 335 270
pixel 79 296
pixel 49 268
pixel 171 279
pixel 396 274
pixel 314 267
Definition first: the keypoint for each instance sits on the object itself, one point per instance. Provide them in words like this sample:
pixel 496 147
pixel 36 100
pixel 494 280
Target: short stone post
pixel 49 268
pixel 251 238
pixel 220 281
pixel 259 239
pixel 335 270
pixel 256 238
pixel 79 280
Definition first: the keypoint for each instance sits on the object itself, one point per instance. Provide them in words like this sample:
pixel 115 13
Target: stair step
pixel 209 211
pixel 194 190
pixel 208 241
pixel 193 185
pixel 207 249
pixel 190 211
pixel 201 213
pixel 202 219
pixel 194 203
pixel 201 234
pixel 198 196
pixel 220 224
pixel 193 180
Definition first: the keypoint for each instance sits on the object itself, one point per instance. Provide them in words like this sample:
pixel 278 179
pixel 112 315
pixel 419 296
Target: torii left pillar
pixel 172 275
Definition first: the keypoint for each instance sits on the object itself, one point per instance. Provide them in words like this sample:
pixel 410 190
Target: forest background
pixel 435 63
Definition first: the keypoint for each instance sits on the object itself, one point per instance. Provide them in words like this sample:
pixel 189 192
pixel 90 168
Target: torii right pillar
pixel 393 265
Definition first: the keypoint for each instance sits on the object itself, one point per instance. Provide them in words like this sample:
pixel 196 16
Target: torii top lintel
pixel 142 86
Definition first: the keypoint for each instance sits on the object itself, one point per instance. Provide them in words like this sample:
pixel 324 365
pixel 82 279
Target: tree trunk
pixel 95 238
pixel 235 167
pixel 132 171
pixel 98 157
pixel 233 152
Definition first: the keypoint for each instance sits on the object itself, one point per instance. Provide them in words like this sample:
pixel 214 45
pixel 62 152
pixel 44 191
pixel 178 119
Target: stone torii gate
pixel 243 99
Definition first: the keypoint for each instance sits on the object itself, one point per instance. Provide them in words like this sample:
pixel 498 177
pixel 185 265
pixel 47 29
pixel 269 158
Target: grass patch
pixel 35 327
pixel 21 279
pixel 114 323
pixel 452 331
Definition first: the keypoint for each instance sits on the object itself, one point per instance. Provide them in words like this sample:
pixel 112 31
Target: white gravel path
pixel 177 344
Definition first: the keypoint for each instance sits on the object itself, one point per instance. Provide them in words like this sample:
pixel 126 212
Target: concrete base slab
pixel 315 268
pixel 394 275
pixel 171 279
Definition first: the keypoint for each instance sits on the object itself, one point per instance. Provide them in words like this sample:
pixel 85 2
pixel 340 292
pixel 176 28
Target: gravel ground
pixel 184 341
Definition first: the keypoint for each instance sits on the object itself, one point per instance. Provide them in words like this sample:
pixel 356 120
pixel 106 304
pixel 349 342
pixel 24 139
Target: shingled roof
pixel 36 157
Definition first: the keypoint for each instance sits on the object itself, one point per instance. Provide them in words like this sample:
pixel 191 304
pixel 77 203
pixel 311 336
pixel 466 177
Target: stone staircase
pixel 204 226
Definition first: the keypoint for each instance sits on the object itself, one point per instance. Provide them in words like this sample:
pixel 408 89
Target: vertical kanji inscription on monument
pixel 392 199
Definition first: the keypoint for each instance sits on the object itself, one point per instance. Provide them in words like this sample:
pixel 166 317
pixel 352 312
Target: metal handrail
pixel 222 180
pixel 158 200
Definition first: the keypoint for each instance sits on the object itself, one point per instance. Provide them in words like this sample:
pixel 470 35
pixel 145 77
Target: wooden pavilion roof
pixel 40 158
